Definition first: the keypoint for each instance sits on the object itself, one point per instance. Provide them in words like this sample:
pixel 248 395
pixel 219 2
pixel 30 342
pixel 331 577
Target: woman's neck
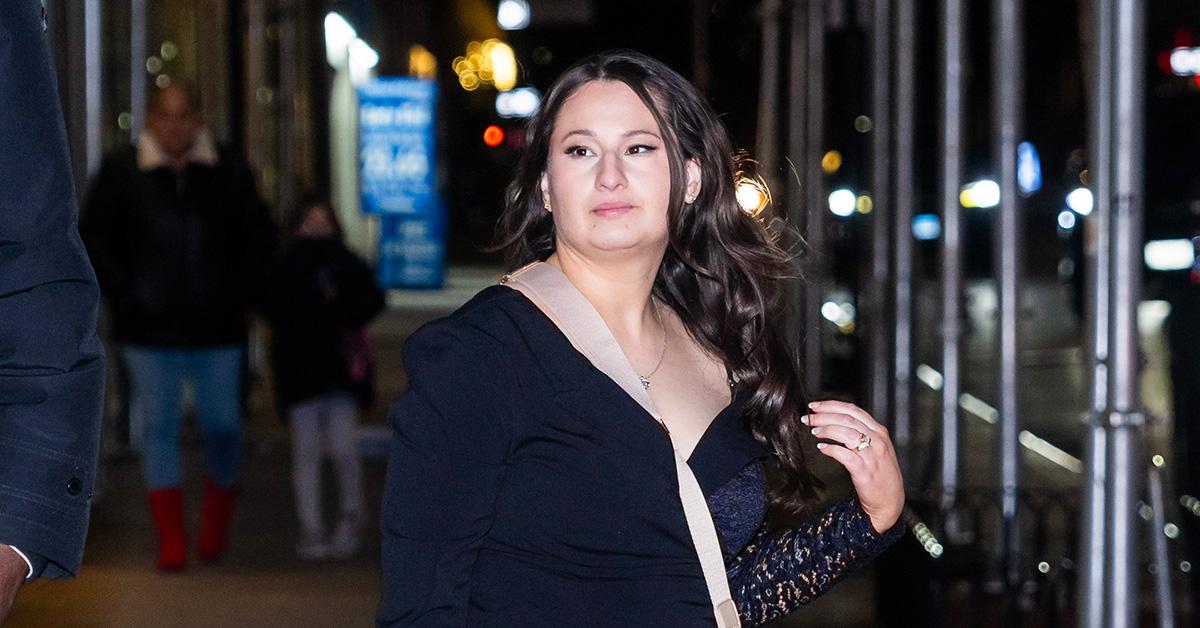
pixel 620 291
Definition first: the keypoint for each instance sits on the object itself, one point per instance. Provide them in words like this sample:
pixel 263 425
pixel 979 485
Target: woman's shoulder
pixel 497 318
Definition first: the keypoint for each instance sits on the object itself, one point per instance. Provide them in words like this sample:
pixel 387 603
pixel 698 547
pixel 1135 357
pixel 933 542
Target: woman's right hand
pixel 866 451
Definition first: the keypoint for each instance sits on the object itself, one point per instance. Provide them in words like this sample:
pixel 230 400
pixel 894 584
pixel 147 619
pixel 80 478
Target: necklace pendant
pixel 645 382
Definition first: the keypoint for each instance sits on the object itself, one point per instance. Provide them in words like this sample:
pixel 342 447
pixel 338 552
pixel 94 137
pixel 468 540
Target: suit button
pixel 74 486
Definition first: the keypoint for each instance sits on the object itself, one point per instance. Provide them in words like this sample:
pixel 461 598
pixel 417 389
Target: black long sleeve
pixel 444 473
pixel 51 362
pixel 782 570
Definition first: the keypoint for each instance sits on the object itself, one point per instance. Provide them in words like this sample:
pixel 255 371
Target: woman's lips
pixel 612 210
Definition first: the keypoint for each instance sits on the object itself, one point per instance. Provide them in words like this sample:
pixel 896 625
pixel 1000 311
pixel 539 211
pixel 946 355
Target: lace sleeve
pixel 781 570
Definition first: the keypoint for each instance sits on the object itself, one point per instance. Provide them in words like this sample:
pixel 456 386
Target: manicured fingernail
pixel 813 404
pixel 821 445
pixel 816 431
pixel 804 419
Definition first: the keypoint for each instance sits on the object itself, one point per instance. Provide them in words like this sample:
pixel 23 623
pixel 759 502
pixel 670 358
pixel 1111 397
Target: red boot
pixel 214 523
pixel 166 505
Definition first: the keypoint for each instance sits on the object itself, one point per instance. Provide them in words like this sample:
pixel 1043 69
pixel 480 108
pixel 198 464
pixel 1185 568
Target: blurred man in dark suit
pixel 51 362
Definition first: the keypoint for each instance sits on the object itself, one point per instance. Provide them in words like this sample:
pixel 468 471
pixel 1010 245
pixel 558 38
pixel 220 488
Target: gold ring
pixel 864 441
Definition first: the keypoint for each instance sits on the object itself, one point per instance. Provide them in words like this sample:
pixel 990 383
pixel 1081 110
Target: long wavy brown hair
pixel 724 269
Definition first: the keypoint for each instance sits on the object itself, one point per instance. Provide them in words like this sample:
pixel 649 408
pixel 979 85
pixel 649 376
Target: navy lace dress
pixel 525 488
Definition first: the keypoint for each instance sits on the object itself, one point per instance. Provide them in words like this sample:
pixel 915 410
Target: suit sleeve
pixel 51 362
pixel 445 468
pixel 782 570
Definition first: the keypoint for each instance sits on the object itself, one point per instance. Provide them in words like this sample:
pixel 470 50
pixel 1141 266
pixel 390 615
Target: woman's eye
pixel 579 151
pixel 641 149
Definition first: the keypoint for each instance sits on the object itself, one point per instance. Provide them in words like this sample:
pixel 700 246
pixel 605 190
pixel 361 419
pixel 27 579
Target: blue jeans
pixel 156 376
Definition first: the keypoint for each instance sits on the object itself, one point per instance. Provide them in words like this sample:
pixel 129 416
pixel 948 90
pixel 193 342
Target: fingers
pixel 842 407
pixel 842 428
pixel 847 436
pixel 849 459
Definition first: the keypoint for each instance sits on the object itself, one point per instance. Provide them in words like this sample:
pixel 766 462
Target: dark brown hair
pixel 723 270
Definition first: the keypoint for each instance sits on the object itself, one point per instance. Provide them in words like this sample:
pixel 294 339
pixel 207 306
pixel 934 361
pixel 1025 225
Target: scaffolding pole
pixel 905 55
pixel 766 151
pixel 1111 584
pixel 814 181
pixel 1008 60
pixel 952 281
pixel 137 68
pixel 798 153
pixel 1098 224
pixel 880 336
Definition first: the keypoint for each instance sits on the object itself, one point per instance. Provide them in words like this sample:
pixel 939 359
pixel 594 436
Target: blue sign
pixel 412 250
pixel 397 163
pixel 397 175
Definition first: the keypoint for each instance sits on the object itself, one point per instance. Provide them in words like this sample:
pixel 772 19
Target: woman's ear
pixel 544 185
pixel 692 172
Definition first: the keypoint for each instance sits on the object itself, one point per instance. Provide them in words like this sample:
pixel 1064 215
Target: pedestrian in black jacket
pixel 181 241
pixel 51 362
pixel 320 298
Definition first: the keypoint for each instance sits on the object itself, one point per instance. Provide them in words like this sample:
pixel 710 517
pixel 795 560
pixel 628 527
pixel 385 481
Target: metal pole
pixel 75 40
pixel 815 224
pixel 1098 226
pixel 93 149
pixel 951 176
pixel 257 119
pixel 881 105
pixel 768 94
pixel 905 119
pixel 1092 561
pixel 1007 58
pixel 1162 559
pixel 1122 585
pixel 1124 416
pixel 797 151
pixel 137 68
pixel 289 60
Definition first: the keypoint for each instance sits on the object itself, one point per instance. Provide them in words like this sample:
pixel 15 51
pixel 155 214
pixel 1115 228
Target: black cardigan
pixel 525 488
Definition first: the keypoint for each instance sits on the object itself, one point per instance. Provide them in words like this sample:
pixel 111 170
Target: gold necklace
pixel 645 379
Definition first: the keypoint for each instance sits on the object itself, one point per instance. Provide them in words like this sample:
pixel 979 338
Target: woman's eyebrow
pixel 592 134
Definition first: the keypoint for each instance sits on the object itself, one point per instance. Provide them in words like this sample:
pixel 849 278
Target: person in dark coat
pixel 51 362
pixel 181 241
pixel 319 300
pixel 526 487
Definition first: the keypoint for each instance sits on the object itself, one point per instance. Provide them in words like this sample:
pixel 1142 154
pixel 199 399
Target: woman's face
pixel 608 181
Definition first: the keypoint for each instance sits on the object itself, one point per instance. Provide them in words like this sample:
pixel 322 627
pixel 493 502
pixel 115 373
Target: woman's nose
pixel 611 175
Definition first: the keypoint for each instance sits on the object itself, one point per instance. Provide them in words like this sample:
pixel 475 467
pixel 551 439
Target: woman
pixel 319 299
pixel 525 488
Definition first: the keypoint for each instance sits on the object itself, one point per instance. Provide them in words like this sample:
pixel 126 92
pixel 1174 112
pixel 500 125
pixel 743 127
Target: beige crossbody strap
pixel 550 290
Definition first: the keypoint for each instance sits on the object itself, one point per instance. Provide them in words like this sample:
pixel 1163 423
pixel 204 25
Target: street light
pixel 842 202
pixel 362 58
pixel 1080 200
pixel 518 103
pixel 983 193
pixel 513 15
pixel 504 64
pixel 338 35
